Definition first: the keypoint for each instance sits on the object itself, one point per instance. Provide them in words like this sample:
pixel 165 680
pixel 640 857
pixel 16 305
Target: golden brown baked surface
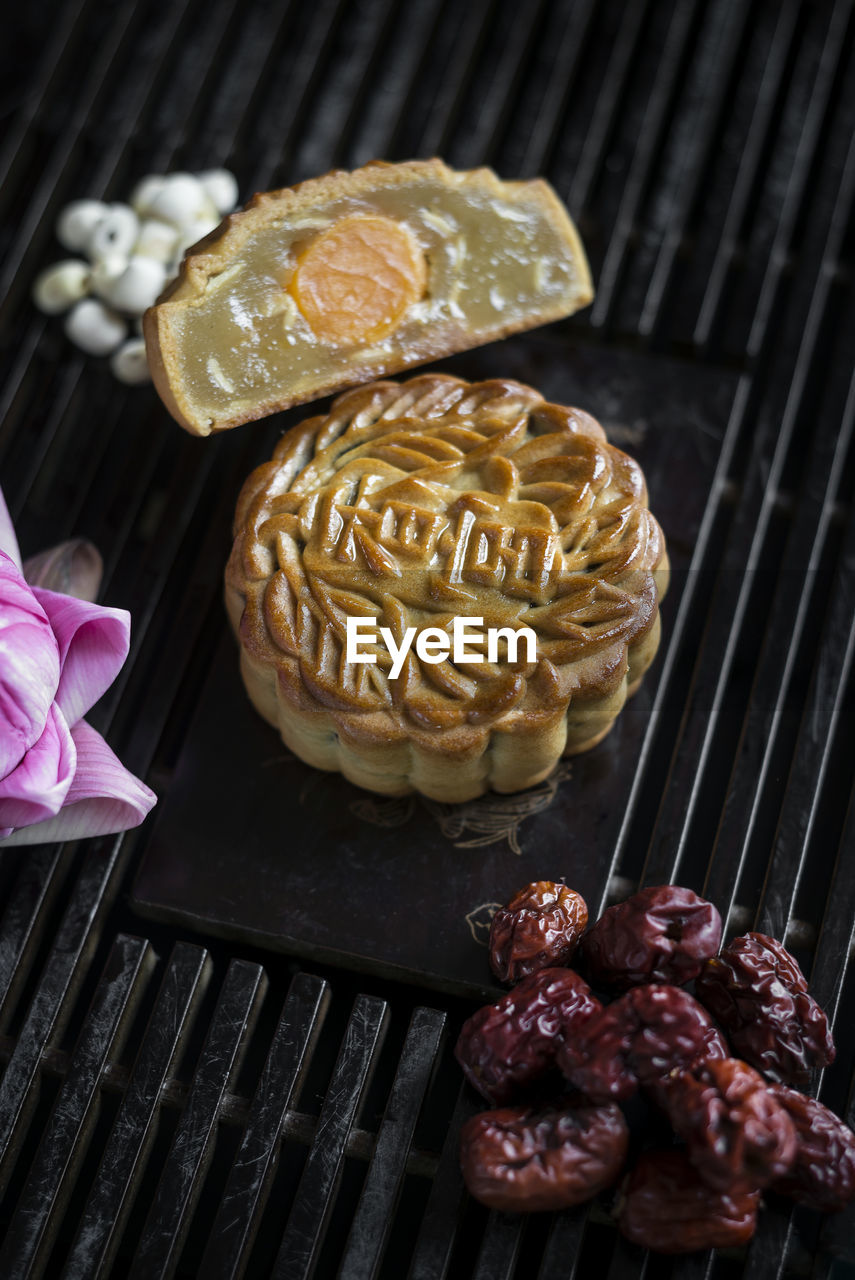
pixel 352 276
pixel 414 503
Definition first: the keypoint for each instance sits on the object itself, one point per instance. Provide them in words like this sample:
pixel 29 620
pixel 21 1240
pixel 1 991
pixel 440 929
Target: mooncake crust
pixel 412 502
pixel 216 252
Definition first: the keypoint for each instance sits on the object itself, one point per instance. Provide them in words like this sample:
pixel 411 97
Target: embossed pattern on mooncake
pixel 412 504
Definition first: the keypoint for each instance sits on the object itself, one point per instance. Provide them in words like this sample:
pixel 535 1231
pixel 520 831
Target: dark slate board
pixel 251 844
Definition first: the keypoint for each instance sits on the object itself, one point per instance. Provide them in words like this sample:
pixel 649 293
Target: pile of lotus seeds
pixel 129 253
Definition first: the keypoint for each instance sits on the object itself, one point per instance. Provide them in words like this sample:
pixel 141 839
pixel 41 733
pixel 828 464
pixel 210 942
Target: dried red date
pixel 758 993
pixel 637 1040
pixel 539 928
pixel 823 1172
pixel 662 934
pixel 523 1159
pixel 506 1046
pixel 737 1135
pixel 667 1207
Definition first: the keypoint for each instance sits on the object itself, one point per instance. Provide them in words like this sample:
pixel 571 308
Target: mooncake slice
pixel 352 276
pixel 411 508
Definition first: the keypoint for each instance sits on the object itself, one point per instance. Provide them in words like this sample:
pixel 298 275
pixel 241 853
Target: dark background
pixel 182 1103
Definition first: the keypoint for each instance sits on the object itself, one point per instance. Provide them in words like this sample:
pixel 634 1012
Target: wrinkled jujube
pixel 506 1046
pixel 823 1172
pixel 539 928
pixel 661 934
pixel 737 1135
pixel 637 1040
pixel 523 1159
pixel 758 993
pixel 666 1206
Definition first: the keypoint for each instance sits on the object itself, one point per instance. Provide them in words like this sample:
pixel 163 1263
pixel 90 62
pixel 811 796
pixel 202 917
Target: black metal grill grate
pixel 170 1107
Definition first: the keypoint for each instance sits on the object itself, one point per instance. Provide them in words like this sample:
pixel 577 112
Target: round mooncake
pixel 456 507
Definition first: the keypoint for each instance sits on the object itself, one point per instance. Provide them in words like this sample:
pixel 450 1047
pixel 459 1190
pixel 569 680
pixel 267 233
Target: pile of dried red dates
pixel 742 1128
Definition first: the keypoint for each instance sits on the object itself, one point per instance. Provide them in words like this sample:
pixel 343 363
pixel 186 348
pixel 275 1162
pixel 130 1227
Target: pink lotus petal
pixel 40 785
pixel 8 541
pixel 29 667
pixel 93 643
pixel 74 568
pixel 102 799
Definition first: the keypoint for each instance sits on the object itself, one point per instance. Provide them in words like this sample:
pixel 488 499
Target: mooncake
pixel 352 276
pixel 421 509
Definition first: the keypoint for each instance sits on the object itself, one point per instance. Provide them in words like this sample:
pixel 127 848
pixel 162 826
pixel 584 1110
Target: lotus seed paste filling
pixel 422 258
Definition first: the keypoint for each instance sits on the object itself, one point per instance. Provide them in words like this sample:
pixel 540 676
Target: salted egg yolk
pixel 355 281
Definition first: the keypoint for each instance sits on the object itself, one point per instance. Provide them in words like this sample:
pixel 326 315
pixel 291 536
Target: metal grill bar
pixel 49 1182
pixel 279 120
pixel 185 491
pixel 762 124
pixel 814 125
pixel 340 91
pixel 470 37
pixel 608 103
pixel 541 138
pixel 649 142
pixel 242 75
pixel 24 919
pixel 248 1186
pixel 720 42
pixel 374 1215
pixel 742 561
pixel 22 364
pixel 43 204
pixel 743 400
pixel 374 130
pixel 297 1126
pixel 789 615
pixel 827 978
pixel 125 1155
pixel 433 1247
pixel 178 1190
pixel 60 159
pixel 497 1257
pixel 822 717
pixel 628 1262
pixel 746 397
pixel 561 1257
pixel 310 1212
pixel 51 1004
pixel 834 950
pixel 145 92
pixel 179 110
pixel 61 47
pixel 493 94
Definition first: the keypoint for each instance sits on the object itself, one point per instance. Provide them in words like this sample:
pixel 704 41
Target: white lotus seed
pixel 61 285
pixel 129 363
pixel 106 271
pixel 116 232
pixel 144 192
pixel 77 221
pixel 222 187
pixel 196 231
pixel 181 201
pixel 186 241
pixel 93 328
pixel 137 287
pixel 156 240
